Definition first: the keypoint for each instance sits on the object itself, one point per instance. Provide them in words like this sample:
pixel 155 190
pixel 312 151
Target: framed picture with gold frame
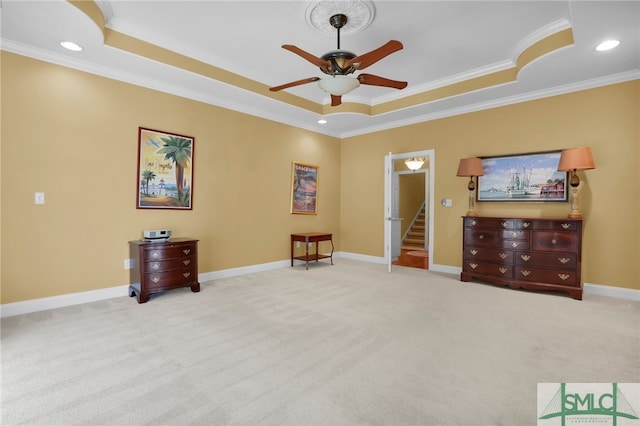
pixel 304 188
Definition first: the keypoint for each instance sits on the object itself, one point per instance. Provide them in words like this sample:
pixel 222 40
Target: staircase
pixel 414 238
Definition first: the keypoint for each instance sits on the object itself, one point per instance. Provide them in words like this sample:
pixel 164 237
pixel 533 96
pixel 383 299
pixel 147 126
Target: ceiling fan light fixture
pixel 338 85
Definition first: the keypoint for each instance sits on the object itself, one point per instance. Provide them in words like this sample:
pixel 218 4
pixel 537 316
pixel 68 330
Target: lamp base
pixel 574 215
pixel 472 213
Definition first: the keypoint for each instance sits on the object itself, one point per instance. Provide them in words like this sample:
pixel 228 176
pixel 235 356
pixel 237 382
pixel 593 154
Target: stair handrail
pixel 420 210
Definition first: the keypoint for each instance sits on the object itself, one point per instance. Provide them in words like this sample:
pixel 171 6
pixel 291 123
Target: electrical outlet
pixel 128 264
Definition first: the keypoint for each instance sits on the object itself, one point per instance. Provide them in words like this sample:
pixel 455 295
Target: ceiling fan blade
pixel 336 100
pixel 368 59
pixel 294 83
pixel 374 80
pixel 323 64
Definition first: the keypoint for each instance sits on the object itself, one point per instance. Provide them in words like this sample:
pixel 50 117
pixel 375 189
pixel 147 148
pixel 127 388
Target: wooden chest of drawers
pixel 535 254
pixel 162 266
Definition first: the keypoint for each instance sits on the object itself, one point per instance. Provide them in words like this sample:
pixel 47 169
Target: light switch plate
pixel 39 198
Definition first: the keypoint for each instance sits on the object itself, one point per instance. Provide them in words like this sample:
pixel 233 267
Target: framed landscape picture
pixel 304 187
pixel 165 170
pixel 523 178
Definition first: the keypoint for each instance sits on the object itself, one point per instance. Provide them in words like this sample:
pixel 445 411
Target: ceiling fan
pixel 339 64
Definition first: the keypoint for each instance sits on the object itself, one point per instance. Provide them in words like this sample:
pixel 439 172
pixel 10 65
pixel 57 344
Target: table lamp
pixel 572 160
pixel 470 167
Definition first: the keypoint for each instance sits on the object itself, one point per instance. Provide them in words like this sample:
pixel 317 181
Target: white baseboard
pixel 45 303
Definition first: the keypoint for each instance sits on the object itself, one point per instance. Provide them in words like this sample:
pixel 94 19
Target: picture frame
pixel 165 170
pixel 529 177
pixel 304 188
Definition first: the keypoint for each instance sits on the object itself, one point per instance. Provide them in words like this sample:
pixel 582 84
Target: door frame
pixel 430 160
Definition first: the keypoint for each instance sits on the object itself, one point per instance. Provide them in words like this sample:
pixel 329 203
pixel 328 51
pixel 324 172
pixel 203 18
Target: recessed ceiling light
pixel 607 45
pixel 71 46
pixel 322 121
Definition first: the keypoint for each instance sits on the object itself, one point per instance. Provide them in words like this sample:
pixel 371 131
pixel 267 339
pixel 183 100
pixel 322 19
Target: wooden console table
pixel 311 237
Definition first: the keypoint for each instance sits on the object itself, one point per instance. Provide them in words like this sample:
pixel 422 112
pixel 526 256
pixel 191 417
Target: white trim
pixel 46 303
pixel 608 291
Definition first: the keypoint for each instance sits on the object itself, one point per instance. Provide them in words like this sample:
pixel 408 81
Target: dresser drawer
pixel 169 251
pixel 553 225
pixel 171 264
pixel 168 279
pixel 516 234
pixel 485 268
pixel 543 275
pixel 487 254
pixel 487 222
pixel 553 260
pixel 554 241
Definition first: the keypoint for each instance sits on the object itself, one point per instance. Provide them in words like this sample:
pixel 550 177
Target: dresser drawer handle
pixel 155 279
pixel 473 251
pixel 504 224
pixel 474 223
pixel 526 224
pixel 186 261
pixel 473 265
pixel 566 225
pixel 481 237
pixel 186 251
pixel 155 266
pixel 502 270
pixel 564 260
pixel 155 254
pixel 564 276
pixel 525 257
pixel 525 273
pixel 515 244
pixel 554 241
pixel 186 274
pixel 514 234
pixel 503 256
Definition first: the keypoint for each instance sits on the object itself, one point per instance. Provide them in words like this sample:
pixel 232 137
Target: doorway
pixel 393 190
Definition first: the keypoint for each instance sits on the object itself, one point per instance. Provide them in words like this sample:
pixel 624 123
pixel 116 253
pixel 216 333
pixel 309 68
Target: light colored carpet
pixel 346 344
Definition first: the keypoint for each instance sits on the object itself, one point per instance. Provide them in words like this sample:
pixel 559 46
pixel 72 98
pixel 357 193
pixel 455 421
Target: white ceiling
pixel 445 42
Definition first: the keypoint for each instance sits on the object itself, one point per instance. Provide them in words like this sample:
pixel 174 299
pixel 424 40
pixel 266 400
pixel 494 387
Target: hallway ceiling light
pixel 414 163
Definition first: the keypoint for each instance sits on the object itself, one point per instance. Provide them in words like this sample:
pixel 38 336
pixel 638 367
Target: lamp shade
pixel 338 84
pixel 470 167
pixel 576 159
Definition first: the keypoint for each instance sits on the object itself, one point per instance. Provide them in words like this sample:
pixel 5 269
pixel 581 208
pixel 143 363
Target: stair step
pixel 414 241
pixel 415 234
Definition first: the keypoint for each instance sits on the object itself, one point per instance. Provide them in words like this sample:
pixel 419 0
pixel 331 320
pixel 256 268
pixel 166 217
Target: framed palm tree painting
pixel 165 170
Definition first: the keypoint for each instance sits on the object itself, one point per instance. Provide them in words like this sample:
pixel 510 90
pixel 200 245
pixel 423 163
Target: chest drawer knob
pixel 564 276
pixel 525 273
pixel 514 234
pixel 563 260
pixel 186 274
pixel 515 244
pixel 525 257
pixel 186 251
pixel 504 224
pixel 481 237
pixel 155 254
pixel 473 265
pixel 473 251
pixel 502 270
pixel 503 256
pixel 526 224
pixel 155 266
pixel 186 261
pixel 566 225
pixel 155 279
pixel 474 223
pixel 554 241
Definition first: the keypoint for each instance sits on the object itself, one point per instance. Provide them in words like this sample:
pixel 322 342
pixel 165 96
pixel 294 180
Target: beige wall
pixel 606 119
pixel 73 136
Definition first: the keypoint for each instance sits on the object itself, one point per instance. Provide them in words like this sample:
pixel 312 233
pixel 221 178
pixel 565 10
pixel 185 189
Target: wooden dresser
pixel 535 254
pixel 162 266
